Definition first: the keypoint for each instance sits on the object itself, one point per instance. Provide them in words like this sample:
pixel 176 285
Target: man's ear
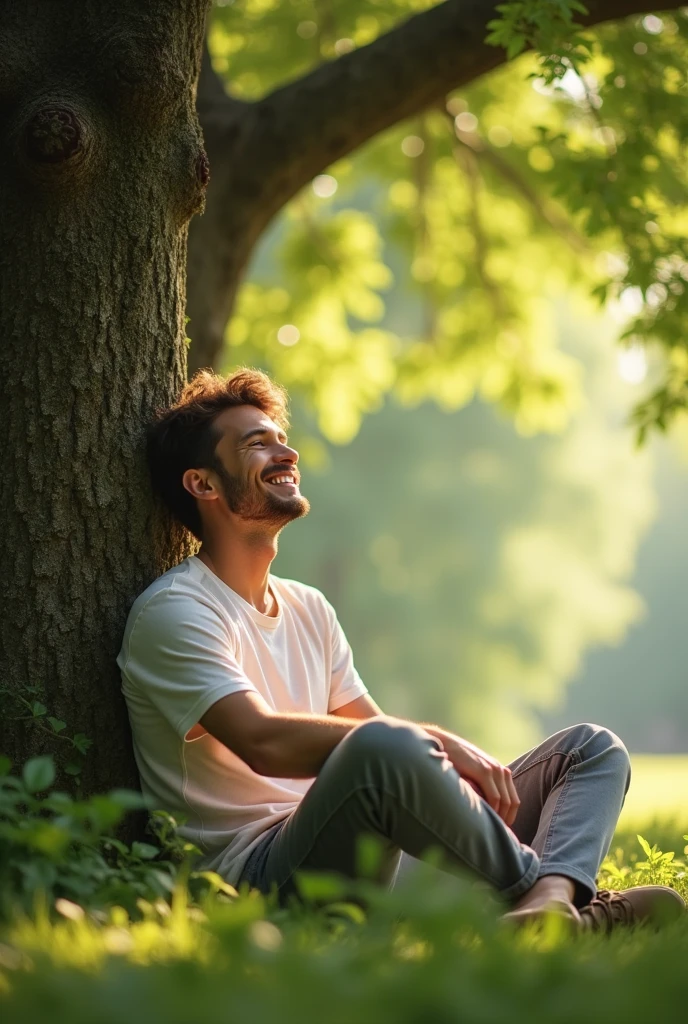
pixel 199 485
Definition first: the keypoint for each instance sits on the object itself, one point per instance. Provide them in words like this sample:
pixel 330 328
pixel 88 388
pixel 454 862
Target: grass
pixel 430 951
pixel 659 790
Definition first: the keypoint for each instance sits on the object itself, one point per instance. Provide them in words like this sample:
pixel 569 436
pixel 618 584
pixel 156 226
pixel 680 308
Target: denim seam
pixel 575 754
pixel 539 760
pixel 366 788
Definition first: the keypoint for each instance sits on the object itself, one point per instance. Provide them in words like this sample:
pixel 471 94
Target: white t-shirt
pixel 190 640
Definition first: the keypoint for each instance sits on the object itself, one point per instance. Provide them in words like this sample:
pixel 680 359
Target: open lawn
pixel 659 790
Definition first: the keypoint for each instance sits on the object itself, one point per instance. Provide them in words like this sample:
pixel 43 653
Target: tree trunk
pixel 262 153
pixel 101 168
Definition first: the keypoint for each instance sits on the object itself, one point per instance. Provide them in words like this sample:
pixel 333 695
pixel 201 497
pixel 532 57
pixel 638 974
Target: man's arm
pixel 288 745
pixel 293 745
pixel 490 779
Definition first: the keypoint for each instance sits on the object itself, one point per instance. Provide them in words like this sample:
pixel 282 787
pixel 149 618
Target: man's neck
pixel 243 563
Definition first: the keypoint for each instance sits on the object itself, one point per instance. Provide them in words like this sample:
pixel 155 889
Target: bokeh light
pixel 632 364
pixel 466 122
pixel 324 186
pixel 412 145
pixel 500 136
pixel 288 334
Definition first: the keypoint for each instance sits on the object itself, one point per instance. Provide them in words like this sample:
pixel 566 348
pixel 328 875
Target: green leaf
pixel 216 882
pixel 516 44
pixel 144 851
pixel 647 850
pixel 116 844
pixel 319 886
pixel 56 724
pixel 73 769
pixel 5 765
pixel 351 911
pixel 48 838
pixel 38 773
pixel 104 812
pixel 82 742
pixel 62 803
pixel 128 799
pixel 38 709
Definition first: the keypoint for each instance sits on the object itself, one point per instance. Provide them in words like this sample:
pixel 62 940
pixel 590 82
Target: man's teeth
pixel 281 480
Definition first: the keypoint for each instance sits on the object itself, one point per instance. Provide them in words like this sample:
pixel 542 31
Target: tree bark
pixel 101 168
pixel 263 153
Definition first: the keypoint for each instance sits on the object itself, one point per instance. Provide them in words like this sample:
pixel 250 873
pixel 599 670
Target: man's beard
pixel 246 501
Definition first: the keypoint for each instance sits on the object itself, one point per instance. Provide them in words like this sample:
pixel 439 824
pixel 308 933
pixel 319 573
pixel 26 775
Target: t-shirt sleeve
pixel 181 655
pixel 345 683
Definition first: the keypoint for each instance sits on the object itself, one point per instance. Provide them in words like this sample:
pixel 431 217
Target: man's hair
pixel 184 436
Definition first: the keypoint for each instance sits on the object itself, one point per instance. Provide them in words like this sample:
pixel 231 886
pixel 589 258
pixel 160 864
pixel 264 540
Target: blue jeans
pixel 390 779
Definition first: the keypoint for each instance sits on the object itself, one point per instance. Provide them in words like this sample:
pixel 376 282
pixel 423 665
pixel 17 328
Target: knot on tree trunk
pixel 54 135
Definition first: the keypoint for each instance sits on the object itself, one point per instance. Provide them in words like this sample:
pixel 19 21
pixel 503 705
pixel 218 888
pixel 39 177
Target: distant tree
pixel 491 188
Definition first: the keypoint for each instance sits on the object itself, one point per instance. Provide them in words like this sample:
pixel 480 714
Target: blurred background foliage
pixel 461 408
pixel 472 568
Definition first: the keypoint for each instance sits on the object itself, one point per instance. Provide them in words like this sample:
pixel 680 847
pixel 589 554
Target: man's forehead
pixel 235 422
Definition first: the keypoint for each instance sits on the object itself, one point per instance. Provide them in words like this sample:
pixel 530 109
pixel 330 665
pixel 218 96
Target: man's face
pixel 257 469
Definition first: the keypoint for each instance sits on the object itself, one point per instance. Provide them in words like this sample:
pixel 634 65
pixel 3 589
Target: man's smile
pixel 285 480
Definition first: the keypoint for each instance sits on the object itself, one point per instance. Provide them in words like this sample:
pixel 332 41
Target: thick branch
pixel 308 124
pixel 263 153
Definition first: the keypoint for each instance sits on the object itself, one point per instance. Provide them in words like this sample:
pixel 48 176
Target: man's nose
pixel 288 455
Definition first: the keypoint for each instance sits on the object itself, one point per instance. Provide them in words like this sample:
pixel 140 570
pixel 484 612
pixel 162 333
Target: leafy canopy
pixel 564 168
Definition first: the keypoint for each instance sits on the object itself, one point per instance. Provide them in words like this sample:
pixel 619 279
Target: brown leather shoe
pixel 646 904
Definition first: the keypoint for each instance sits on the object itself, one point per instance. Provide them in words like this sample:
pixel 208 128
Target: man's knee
pixel 386 737
pixel 598 739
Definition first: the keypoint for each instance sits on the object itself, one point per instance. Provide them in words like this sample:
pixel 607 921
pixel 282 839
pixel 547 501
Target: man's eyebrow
pixel 259 430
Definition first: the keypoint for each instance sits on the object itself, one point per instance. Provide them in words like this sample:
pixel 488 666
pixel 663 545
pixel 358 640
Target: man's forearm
pixel 297 745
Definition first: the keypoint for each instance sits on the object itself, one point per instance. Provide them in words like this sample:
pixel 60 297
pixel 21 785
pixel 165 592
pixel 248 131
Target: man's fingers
pixel 514 797
pixel 488 777
pixel 502 785
pixel 491 792
pixel 500 793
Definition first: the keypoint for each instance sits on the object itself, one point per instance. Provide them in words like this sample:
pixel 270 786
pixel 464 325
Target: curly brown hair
pixel 184 437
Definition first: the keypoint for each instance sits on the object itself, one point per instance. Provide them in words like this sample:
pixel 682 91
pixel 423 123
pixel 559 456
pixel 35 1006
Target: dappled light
pixel 344 412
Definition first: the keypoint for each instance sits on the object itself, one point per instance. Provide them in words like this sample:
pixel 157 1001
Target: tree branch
pixel 308 124
pixel 261 154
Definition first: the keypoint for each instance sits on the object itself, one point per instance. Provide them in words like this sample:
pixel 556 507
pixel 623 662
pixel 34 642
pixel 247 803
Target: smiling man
pixel 249 717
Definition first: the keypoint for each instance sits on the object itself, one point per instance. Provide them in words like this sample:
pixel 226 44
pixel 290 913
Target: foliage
pixel 471 570
pixel 100 931
pixel 639 690
pixel 60 848
pixel 621 872
pixel 50 732
pixel 547 27
pixel 430 948
pixel 559 169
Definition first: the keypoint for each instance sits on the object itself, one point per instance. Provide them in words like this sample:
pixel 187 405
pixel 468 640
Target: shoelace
pixel 608 908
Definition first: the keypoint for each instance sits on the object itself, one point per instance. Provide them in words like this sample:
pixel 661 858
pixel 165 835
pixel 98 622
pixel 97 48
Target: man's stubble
pixel 249 503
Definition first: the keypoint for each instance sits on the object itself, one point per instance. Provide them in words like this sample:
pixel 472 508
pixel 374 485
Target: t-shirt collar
pixel 266 621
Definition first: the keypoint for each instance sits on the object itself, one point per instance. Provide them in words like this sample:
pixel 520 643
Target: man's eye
pixel 254 443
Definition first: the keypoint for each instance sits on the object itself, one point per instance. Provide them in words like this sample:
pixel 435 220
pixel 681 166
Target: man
pixel 248 714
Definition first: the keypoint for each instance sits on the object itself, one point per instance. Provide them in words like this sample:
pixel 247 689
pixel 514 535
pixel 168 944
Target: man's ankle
pixel 548 888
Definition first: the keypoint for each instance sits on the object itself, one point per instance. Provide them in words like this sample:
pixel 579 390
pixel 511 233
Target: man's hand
pixel 490 779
